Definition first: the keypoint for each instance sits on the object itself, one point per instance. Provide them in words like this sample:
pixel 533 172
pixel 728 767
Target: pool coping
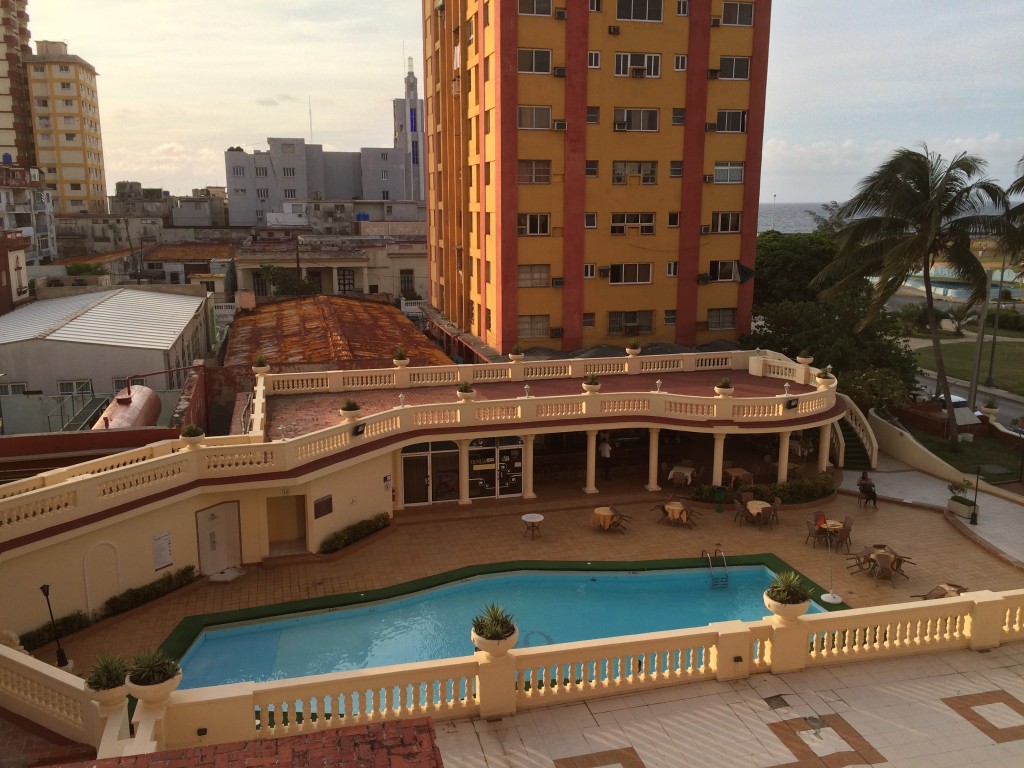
pixel 188 629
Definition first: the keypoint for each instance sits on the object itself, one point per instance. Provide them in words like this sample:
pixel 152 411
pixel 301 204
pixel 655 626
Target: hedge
pixel 353 533
pixel 796 491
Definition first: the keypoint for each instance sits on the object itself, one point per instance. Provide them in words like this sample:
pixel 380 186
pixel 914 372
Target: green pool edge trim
pixel 188 630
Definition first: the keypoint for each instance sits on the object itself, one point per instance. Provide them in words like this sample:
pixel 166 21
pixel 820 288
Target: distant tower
pixel 66 121
pixel 409 136
pixel 15 111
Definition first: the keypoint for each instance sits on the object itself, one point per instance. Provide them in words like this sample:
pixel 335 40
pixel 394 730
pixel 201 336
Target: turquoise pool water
pixel 549 607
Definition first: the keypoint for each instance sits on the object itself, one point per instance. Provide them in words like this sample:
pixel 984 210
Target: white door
pixel 219 538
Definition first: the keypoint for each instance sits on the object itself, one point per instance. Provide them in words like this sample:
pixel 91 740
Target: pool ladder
pixel 720 579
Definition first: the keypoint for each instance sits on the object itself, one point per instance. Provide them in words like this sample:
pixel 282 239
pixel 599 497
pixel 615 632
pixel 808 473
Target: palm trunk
pixel 940 366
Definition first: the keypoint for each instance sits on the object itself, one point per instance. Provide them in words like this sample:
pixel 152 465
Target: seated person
pixel 867 488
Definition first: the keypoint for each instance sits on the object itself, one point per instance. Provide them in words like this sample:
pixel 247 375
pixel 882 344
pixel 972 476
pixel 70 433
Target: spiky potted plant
pixel 106 680
pixel 633 347
pixel 465 391
pixel 400 358
pixel 192 435
pixel 259 365
pixel 494 631
pixel 724 387
pixel 152 676
pixel 990 408
pixel 591 383
pixel 787 597
pixel 350 409
pixel 804 357
pixel 516 354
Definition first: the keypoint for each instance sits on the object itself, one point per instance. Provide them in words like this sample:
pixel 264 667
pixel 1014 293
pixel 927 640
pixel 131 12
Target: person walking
pixel 604 450
pixel 866 486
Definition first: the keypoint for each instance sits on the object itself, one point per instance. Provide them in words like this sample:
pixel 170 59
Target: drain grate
pixel 776 702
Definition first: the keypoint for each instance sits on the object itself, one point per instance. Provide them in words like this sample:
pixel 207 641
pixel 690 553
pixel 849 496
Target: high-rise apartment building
pixel 15 115
pixel 593 167
pixel 66 125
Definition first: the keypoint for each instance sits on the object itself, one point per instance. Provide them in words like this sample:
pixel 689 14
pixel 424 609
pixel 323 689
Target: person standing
pixel 604 450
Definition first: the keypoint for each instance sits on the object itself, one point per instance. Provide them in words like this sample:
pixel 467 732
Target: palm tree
pixel 913 210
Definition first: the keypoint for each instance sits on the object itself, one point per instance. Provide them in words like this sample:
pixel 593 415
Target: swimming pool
pixel 549 607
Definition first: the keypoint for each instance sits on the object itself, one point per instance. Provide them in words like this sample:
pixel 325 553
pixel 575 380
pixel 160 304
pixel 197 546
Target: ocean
pixel 787 217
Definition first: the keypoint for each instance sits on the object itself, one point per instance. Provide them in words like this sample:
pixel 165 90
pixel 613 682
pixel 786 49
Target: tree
pixel 286 282
pixel 913 210
pixel 86 268
pixel 833 220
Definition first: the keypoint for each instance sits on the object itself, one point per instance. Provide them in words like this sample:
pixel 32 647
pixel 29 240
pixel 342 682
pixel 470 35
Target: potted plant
pixel 958 503
pixel 350 409
pixel 990 408
pixel 152 676
pixel 494 631
pixel 516 354
pixel 465 391
pixel 787 597
pixel 804 357
pixel 192 435
pixel 633 347
pixel 106 680
pixel 724 387
pixel 399 358
pixel 824 377
pixel 591 383
pixel 259 365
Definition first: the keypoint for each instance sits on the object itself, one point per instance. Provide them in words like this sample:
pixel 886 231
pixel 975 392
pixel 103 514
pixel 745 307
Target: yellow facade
pixel 66 127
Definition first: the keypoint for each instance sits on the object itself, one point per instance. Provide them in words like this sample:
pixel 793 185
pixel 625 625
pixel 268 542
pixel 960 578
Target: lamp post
pixel 830 597
pixel 62 659
pixel 995 323
pixel 977 478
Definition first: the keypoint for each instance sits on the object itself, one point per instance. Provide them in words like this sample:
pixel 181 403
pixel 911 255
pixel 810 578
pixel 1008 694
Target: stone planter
pixel 401 363
pixel 723 391
pixel 516 358
pixel 153 694
pixel 990 412
pixel 961 509
pixel 350 415
pixel 464 396
pixel 632 351
pixel 192 442
pixel 494 648
pixel 591 388
pixel 805 360
pixel 258 369
pixel 786 614
pixel 110 698
pixel 823 383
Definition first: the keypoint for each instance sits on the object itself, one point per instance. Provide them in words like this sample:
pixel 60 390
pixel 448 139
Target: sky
pixel 848 82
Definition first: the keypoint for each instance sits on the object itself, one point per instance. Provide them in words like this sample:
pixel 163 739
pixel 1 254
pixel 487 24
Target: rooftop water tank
pixel 134 406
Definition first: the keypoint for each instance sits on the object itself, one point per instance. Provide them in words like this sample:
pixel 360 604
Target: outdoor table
pixel 680 469
pixel 602 517
pixel 756 507
pixel 532 521
pixel 737 474
pixel 676 512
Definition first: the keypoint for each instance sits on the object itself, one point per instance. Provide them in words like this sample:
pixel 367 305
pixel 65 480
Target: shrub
pixel 796 491
pixel 516 349
pixel 66 625
pixel 152 667
pixel 353 533
pixel 494 623
pixel 399 354
pixel 192 430
pixel 958 488
pixel 259 361
pixel 591 379
pixel 349 405
pixel 107 671
pixel 633 343
pixel 788 588
pixel 465 386
pixel 991 402
pixel 724 383
pixel 136 596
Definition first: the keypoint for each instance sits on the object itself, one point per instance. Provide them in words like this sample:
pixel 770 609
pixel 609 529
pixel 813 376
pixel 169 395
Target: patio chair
pixel 691 517
pixel 897 565
pixel 815 534
pixel 883 567
pixel 946 589
pixel 619 523
pixel 861 560
pixel 623 515
pixel 741 512
pixel 746 496
pixel 843 538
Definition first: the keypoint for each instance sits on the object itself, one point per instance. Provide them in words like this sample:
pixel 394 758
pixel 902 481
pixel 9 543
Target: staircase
pixel 87 415
pixel 856 454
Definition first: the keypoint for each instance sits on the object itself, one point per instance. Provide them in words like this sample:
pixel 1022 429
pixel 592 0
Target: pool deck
pixel 903 713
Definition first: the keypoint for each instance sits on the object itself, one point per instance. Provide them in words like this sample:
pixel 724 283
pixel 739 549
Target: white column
pixel 463 471
pixel 716 473
pixel 652 461
pixel 528 467
pixel 824 444
pixel 591 461
pixel 784 456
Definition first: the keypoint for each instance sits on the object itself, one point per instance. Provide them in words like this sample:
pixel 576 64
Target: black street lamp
pixel 977 478
pixel 62 659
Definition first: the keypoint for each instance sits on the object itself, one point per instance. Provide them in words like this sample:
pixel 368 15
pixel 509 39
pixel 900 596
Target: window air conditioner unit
pixel 709 178
pixel 703 278
pixel 559 72
pixel 712 74
pixel 621 126
pixel 604 271
pixel 561 14
pixel 710 127
pixel 716 21
pixel 705 229
pixel 556 333
pixel 613 30
pixel 557 282
pixel 559 125
pixel 638 72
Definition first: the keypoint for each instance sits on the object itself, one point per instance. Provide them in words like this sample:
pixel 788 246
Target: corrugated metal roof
pixel 120 318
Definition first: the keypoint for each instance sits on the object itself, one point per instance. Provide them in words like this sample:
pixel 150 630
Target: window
pixel 533 326
pixel 14 388
pixel 120 384
pixel 70 137
pixel 590 222
pixel 734 68
pixel 682 7
pixel 535 118
pixel 593 115
pixel 38 68
pixel 534 61
pixel 288 172
pixel 63 68
pixel 75 387
pixel 589 320
pixel 65 86
pixel 636 119
pixel 638 65
pixel 592 166
pixel 238 191
pixel 383 156
pixel 673 219
pixel 732 121
pixel 644 221
pixel 622 274
pixel 647 170
pixel 720 319
pixel 288 148
pixel 261 171
pixel 672 269
pixel 69 102
pixel 534 276
pixel 738 14
pixel 69 121
pixel 533 224
pixel 594 59
pixel 670 317
pixel 589 271
pixel 346 280
pixel 725 222
pixel 728 172
pixel 238 170
pixel 680 64
pixel 678 116
pixel 724 271
pixel 595 6
pixel 534 7
pixel 639 10
pixel 534 171
pixel 384 174
pixel 631 323
pixel 289 194
pixel 262 193
pixel 76 187
pixel 406 281
pixel 42 102
pixel 385 195
pixel 675 169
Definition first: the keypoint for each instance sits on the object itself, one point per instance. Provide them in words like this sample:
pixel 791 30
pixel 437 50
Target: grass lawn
pixel 1002 331
pixel 982 450
pixel 1008 372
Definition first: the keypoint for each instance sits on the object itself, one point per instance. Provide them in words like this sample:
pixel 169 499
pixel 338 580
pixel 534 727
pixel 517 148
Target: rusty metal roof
pixel 330 332
pixel 192 252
